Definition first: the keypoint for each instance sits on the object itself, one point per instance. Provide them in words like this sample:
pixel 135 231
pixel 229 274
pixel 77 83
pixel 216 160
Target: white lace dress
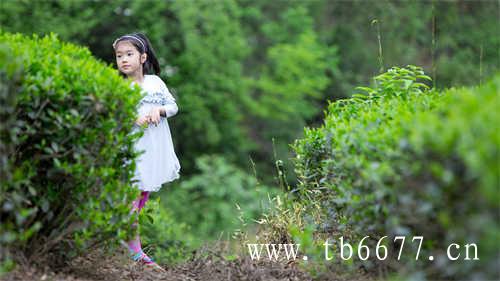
pixel 158 164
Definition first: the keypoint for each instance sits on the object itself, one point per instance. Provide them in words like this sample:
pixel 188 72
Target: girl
pixel 158 164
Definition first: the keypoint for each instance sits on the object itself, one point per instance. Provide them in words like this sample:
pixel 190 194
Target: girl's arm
pixel 169 109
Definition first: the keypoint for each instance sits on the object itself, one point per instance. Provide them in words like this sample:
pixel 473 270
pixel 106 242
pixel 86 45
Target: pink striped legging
pixel 139 203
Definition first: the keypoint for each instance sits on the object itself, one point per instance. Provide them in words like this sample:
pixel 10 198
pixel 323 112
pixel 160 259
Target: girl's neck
pixel 137 78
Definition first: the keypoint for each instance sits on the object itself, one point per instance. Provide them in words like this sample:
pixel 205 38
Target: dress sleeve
pixel 168 101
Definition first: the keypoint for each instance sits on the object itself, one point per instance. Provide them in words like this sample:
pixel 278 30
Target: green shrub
pixel 405 160
pixel 66 150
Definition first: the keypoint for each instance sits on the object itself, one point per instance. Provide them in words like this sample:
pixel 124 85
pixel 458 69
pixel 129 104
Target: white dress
pixel 158 164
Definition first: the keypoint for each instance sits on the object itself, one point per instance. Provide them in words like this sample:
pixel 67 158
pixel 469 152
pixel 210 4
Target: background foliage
pixel 230 63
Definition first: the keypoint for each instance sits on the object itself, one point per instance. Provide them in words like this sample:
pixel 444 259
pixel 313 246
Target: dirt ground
pixel 206 265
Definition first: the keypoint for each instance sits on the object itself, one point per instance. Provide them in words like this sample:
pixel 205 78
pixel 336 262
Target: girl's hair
pixel 142 44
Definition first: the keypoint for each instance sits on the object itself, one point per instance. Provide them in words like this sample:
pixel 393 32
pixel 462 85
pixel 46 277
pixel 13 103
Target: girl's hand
pixel 154 115
pixel 141 120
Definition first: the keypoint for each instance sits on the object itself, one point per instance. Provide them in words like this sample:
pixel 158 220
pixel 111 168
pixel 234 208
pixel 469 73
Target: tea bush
pixel 67 155
pixel 407 160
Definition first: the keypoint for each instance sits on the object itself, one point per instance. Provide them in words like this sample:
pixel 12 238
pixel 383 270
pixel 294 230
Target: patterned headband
pixel 133 37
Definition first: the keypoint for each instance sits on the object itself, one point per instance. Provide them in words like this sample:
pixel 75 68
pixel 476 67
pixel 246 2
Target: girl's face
pixel 128 59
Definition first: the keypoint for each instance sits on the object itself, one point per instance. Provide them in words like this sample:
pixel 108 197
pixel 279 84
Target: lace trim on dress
pixel 156 98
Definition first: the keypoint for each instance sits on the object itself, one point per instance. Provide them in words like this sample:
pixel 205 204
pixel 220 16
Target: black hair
pixel 151 64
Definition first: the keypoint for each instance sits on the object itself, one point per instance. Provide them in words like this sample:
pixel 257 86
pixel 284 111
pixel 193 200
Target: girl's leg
pixel 135 244
pixel 144 199
pixel 139 203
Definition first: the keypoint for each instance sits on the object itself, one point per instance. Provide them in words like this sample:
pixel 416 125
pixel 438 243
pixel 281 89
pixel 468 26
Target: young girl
pixel 158 164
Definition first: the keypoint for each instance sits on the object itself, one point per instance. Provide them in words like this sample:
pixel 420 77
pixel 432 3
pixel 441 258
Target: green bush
pixel 406 160
pixel 66 149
